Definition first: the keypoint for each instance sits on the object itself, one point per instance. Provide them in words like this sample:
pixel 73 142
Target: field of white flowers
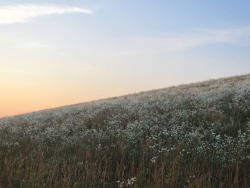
pixel 195 135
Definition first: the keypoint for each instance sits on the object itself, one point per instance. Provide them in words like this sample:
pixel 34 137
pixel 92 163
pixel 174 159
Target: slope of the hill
pixel 195 135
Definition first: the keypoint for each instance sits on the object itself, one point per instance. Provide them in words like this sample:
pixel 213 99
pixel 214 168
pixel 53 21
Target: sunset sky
pixel 54 53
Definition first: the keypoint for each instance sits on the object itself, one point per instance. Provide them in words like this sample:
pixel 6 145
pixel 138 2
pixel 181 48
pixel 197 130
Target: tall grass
pixel 195 135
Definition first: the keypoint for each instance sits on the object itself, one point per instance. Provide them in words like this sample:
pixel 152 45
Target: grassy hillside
pixel 195 135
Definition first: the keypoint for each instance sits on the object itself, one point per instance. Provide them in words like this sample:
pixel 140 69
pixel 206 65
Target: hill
pixel 195 135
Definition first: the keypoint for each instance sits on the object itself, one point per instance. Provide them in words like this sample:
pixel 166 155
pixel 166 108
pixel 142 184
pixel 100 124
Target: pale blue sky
pixel 54 53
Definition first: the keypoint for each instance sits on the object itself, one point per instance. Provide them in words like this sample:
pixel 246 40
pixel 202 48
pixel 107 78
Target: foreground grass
pixel 189 136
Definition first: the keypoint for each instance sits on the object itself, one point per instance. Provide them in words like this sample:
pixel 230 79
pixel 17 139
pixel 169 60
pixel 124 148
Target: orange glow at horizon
pixel 21 100
pixel 11 105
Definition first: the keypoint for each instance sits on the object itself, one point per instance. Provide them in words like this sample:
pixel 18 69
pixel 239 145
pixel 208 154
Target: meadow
pixel 195 135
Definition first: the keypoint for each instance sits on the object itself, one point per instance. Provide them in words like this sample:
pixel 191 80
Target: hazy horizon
pixel 115 97
pixel 60 53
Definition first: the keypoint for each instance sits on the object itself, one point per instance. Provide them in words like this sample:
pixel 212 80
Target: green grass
pixel 195 135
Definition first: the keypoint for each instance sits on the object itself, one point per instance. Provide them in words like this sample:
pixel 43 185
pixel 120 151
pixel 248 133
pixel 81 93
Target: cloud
pixel 203 37
pixel 226 35
pixel 37 45
pixel 22 13
pixel 175 42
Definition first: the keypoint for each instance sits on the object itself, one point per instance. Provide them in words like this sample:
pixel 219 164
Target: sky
pixel 55 53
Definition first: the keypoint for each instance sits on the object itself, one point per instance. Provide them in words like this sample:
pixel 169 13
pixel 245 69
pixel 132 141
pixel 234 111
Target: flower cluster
pixel 203 121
